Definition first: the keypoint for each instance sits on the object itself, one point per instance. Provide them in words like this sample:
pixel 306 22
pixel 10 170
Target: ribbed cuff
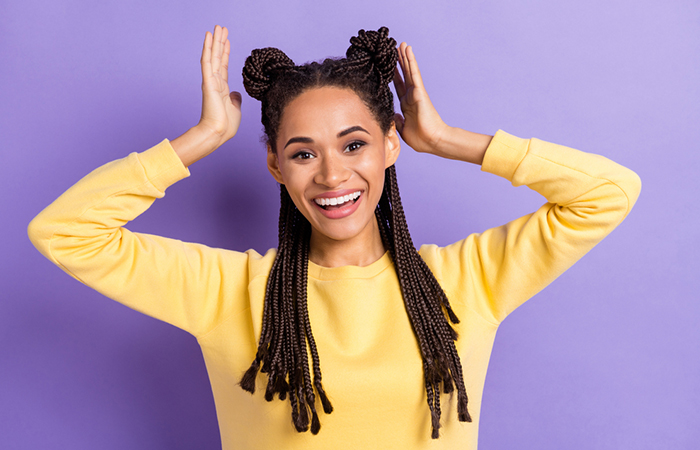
pixel 504 154
pixel 162 165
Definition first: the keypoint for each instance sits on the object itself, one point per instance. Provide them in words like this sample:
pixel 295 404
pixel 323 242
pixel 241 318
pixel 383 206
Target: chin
pixel 338 232
pixel 359 223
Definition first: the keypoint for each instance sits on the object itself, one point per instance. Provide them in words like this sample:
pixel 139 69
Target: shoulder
pixel 452 258
pixel 236 265
pixel 259 265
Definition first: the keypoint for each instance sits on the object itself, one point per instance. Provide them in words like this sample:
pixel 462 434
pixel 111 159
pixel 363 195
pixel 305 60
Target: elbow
pixel 637 186
pixel 631 185
pixel 610 203
pixel 34 231
pixel 40 232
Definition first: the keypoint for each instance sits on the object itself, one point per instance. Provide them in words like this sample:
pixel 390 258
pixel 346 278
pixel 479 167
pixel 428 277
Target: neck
pixel 362 250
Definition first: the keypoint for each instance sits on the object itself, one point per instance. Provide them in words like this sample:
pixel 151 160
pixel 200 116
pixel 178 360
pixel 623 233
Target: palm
pixel 410 105
pixel 221 109
pixel 421 125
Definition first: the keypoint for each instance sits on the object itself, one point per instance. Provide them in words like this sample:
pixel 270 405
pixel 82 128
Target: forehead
pixel 318 111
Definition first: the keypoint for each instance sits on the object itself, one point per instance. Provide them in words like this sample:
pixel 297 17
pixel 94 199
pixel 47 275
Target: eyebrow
pixel 308 140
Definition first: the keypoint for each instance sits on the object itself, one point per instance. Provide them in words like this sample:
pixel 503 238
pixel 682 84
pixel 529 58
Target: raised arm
pixel 587 195
pixel 496 271
pixel 181 283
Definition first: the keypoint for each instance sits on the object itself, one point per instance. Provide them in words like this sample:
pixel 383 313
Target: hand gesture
pixel 421 126
pixel 221 109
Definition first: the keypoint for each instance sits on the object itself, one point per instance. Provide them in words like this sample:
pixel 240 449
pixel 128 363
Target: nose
pixel 332 171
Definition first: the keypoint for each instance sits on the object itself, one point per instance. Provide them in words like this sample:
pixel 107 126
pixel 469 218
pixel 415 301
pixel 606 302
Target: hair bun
pixel 376 50
pixel 262 65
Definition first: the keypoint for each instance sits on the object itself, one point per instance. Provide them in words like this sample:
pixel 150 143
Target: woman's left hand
pixel 420 126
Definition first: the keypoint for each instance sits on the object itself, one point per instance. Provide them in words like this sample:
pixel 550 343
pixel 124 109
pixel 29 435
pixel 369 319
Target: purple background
pixel 605 358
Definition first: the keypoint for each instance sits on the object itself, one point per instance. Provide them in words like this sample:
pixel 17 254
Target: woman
pixel 345 291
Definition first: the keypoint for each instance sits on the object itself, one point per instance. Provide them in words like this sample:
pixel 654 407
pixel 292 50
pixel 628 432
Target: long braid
pixel 286 337
pixel 434 333
pixel 306 330
pixel 282 347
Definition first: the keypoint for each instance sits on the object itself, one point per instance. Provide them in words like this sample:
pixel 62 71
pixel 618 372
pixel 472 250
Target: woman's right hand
pixel 221 109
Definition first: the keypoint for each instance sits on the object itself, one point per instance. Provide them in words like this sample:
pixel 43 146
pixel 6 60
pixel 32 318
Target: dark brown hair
pixel 271 77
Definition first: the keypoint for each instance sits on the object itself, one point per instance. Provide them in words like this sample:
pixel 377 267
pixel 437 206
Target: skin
pixel 331 162
pixel 324 162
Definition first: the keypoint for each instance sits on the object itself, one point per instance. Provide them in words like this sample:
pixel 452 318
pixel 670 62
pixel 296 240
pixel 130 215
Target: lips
pixel 336 205
pixel 338 201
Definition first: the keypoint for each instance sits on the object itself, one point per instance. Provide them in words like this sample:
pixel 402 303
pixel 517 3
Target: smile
pixel 337 201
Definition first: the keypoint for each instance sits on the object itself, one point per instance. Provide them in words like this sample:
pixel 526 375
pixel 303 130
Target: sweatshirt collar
pixel 337 273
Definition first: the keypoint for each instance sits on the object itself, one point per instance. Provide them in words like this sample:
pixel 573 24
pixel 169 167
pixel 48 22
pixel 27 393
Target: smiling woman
pixel 340 139
pixel 396 328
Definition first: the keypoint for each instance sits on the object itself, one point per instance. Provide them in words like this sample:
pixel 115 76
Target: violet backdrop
pixel 605 358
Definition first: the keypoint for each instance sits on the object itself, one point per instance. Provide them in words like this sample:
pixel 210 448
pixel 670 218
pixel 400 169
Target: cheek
pixel 379 187
pixel 374 171
pixel 295 182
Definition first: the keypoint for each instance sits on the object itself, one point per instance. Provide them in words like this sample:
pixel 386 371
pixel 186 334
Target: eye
pixel 356 145
pixel 302 155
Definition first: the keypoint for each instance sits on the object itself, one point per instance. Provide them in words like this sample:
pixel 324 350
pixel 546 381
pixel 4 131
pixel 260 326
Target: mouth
pixel 333 203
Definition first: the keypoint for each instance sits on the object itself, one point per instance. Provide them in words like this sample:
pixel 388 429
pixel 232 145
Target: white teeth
pixel 337 200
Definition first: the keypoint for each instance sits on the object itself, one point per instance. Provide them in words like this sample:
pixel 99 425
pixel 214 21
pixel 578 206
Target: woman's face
pixel 331 155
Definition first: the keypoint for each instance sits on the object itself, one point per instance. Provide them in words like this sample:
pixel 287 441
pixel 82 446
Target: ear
pixel 273 165
pixel 392 146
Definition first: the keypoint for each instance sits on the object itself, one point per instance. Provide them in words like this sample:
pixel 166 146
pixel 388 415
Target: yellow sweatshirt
pixel 370 359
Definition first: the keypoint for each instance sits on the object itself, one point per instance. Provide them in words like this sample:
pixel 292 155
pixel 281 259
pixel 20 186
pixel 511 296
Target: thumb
pixel 399 121
pixel 236 98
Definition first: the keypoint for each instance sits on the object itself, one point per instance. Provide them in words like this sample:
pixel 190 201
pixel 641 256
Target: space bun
pixel 260 69
pixel 374 50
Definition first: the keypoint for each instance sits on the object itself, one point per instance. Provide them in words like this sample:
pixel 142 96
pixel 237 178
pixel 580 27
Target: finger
pixel 216 50
pixel 415 72
pixel 406 67
pixel 222 41
pixel 398 83
pixel 206 57
pixel 224 35
pixel 224 60
pixel 400 50
pixel 224 38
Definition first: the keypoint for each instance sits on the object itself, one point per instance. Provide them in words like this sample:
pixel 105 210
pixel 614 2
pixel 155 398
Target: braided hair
pixel 286 336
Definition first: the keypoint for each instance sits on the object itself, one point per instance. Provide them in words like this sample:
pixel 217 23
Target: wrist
pixel 463 145
pixel 442 140
pixel 195 144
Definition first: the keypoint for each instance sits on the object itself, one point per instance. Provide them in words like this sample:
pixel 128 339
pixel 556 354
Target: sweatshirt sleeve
pixel 181 283
pixel 587 195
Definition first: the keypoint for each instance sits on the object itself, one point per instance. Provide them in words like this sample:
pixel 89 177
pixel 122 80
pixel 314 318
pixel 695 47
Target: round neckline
pixel 336 273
